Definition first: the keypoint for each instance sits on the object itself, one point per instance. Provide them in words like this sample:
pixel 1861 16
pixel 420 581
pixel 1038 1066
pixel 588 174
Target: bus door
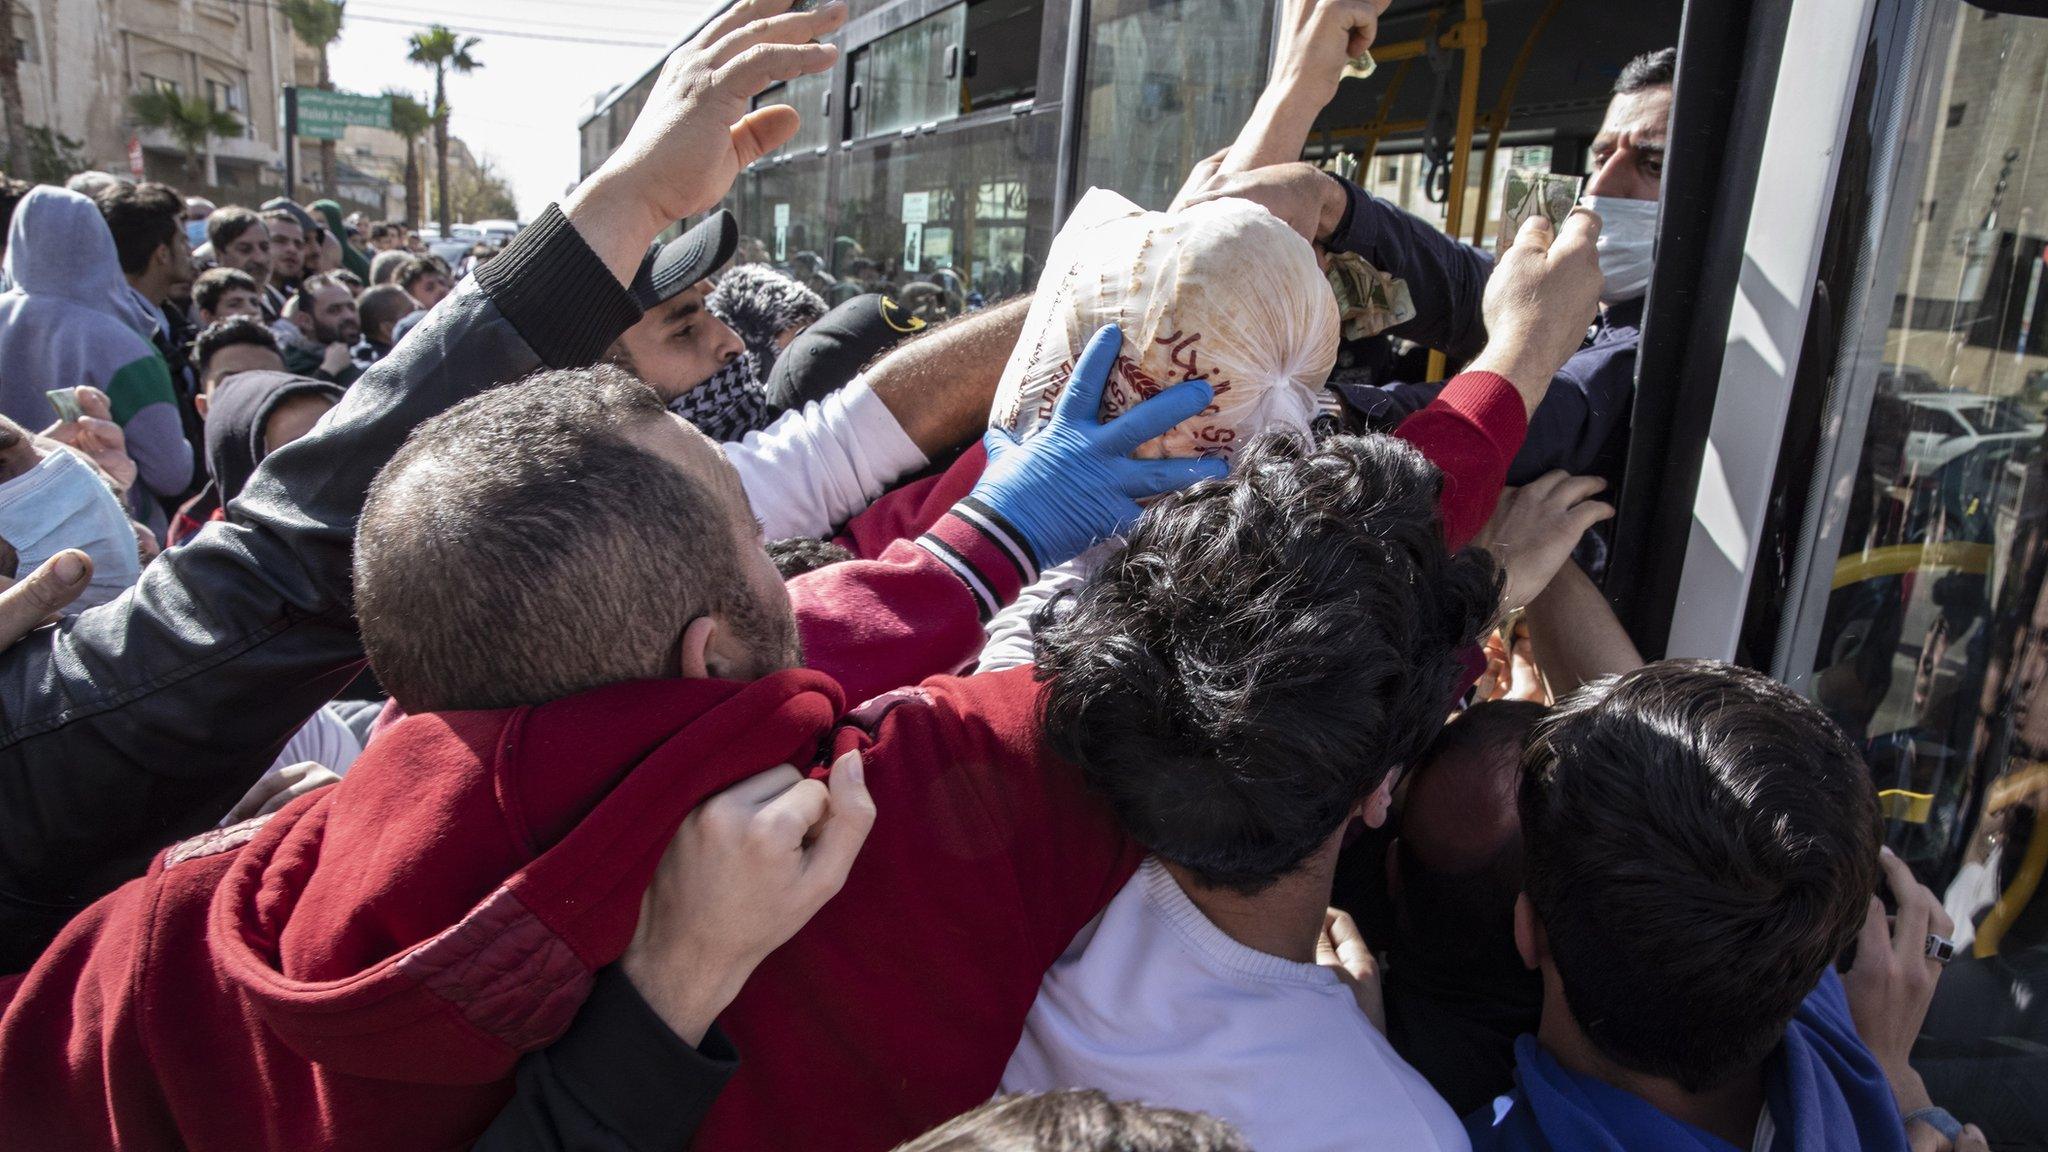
pixel 1870 521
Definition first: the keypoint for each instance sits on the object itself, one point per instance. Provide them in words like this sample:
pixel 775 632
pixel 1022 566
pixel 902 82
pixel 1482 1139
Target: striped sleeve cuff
pixel 985 552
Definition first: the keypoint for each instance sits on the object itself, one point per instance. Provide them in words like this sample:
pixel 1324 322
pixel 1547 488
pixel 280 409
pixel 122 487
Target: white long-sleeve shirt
pixel 1153 1002
pixel 816 467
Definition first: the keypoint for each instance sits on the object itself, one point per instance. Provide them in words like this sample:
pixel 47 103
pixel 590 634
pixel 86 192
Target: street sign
pixel 325 115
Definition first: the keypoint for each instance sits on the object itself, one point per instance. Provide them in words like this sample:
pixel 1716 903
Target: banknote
pixel 65 401
pixel 1526 193
pixel 1368 300
pixel 1360 66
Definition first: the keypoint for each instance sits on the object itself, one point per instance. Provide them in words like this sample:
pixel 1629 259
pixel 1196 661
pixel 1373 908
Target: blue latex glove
pixel 1074 482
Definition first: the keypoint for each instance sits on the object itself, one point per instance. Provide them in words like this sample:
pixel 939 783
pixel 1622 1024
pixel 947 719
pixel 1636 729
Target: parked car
pixel 1944 426
pixel 498 233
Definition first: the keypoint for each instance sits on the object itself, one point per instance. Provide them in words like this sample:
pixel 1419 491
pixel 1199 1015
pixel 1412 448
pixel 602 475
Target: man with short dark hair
pixel 149 238
pixel 241 240
pixel 386 236
pixel 290 243
pixel 426 279
pixel 237 344
pixel 1583 426
pixel 1701 846
pixel 1457 994
pixel 147 221
pixel 324 327
pixel 221 293
pixel 380 309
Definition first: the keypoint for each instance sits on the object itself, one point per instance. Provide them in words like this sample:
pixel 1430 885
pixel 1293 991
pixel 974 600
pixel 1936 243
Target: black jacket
pixel 617 1081
pixel 142 721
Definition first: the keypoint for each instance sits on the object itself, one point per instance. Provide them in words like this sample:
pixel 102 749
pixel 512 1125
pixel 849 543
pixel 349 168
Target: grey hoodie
pixel 71 318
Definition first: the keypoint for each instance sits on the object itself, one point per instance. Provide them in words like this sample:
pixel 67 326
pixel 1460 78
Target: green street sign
pixel 325 115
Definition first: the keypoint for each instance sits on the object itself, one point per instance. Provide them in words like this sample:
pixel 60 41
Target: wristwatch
pixel 1937 1119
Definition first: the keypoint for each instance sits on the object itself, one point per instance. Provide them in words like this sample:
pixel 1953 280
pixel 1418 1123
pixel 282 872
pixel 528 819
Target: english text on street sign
pixel 326 115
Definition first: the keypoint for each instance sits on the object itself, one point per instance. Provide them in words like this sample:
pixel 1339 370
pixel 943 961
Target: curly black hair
pixel 1263 650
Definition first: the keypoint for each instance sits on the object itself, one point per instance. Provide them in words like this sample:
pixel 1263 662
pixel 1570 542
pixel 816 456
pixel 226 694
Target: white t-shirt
pixel 817 466
pixel 1153 1002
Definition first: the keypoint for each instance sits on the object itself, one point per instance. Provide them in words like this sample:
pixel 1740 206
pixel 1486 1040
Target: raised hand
pixel 1074 482
pixel 1539 300
pixel 1536 527
pixel 1317 38
pixel 699 126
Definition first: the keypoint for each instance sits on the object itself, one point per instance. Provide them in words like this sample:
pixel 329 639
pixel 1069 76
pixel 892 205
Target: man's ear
pixel 1374 808
pixel 697 637
pixel 1529 941
pixel 199 403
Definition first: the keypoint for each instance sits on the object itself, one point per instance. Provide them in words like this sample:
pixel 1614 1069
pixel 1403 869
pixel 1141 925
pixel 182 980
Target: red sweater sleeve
pixel 917 610
pixel 898 1004
pixel 905 513
pixel 1471 431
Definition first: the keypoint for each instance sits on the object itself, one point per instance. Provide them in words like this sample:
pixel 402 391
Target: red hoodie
pixel 363 969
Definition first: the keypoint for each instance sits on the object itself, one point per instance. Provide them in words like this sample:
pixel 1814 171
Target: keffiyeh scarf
pixel 730 404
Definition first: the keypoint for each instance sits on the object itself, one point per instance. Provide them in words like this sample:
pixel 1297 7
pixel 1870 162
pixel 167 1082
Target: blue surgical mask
pixel 195 231
pixel 1627 245
pixel 62 503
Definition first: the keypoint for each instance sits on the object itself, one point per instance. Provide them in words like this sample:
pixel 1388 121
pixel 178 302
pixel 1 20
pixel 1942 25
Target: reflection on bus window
pixel 1167 85
pixel 1934 651
pixel 1002 51
pixel 910 77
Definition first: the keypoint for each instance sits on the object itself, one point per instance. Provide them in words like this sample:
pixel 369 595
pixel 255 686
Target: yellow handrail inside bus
pixel 1905 806
pixel 1469 36
pixel 1497 120
pixel 1992 931
pixel 1898 559
pixel 1376 130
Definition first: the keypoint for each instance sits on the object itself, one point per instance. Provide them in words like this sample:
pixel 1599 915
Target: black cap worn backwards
pixel 670 268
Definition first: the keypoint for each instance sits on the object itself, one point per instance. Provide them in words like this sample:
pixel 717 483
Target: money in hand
pixel 65 401
pixel 1526 193
pixel 1369 301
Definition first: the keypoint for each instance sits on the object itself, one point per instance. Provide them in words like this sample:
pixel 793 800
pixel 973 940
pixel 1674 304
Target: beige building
pixel 82 59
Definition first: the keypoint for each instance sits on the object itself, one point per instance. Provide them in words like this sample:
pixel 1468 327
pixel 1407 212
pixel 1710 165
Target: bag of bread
pixel 1222 291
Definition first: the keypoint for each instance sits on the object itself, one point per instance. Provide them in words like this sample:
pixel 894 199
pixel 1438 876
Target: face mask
pixel 62 503
pixel 727 406
pixel 195 231
pixel 1628 236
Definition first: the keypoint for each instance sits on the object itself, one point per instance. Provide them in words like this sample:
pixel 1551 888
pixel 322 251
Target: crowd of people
pixel 604 698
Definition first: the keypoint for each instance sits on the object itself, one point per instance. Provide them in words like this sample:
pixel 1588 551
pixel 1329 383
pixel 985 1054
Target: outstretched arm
pixel 144 719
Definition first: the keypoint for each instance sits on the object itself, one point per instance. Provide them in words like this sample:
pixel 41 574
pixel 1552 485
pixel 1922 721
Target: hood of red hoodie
pixel 443 909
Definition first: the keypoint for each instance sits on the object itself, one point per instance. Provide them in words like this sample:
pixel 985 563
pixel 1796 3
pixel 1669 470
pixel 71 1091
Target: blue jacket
pixel 1588 401
pixel 1824 1088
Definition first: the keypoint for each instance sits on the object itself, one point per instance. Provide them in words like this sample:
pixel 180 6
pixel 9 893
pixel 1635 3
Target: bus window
pixel 909 77
pixel 806 94
pixel 1927 635
pixel 947 222
pixel 1002 52
pixel 1167 85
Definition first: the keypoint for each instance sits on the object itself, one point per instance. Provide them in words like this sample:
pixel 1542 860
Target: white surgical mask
pixel 1628 237
pixel 62 503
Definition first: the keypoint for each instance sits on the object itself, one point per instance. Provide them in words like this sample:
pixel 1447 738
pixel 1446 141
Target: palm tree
pixel 411 120
pixel 440 48
pixel 10 96
pixel 318 23
pixel 192 121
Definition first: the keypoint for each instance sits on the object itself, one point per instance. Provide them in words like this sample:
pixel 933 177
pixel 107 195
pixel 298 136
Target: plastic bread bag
pixel 1222 291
